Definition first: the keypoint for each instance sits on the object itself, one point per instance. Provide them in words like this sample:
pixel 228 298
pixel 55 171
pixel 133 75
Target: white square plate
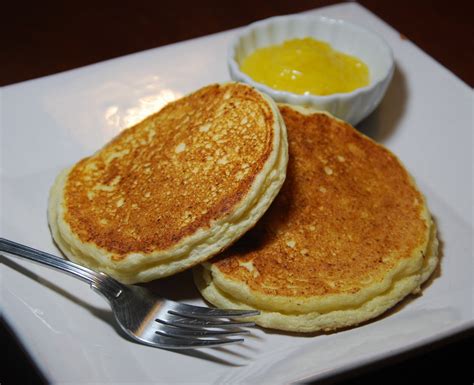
pixel 49 123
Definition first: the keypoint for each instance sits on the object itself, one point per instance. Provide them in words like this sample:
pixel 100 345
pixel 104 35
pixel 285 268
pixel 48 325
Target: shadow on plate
pixel 104 315
pixel 179 287
pixel 381 124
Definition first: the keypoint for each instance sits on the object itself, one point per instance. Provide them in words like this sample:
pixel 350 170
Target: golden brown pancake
pixel 348 236
pixel 174 189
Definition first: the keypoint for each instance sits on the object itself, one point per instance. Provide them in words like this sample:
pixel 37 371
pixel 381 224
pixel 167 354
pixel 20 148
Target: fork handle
pixel 78 271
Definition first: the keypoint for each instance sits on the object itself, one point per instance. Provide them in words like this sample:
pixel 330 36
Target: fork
pixel 144 316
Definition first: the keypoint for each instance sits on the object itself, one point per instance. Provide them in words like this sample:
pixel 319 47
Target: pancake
pixel 347 238
pixel 175 189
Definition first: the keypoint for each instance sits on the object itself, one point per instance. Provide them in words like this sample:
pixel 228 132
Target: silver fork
pixel 144 316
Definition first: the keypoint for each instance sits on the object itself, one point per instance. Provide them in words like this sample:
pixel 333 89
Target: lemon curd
pixel 306 66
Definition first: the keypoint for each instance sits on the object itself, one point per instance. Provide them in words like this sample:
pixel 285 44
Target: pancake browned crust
pixel 348 236
pixel 174 189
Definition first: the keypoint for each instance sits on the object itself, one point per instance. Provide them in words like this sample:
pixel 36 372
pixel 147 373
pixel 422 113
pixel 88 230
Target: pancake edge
pixel 333 319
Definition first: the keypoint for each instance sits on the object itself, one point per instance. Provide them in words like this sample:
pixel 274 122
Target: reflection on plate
pixel 47 124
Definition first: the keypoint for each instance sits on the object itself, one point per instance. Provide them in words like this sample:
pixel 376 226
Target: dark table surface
pixel 43 38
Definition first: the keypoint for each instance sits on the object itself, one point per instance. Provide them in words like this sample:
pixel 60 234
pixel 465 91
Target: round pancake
pixel 176 188
pixel 348 236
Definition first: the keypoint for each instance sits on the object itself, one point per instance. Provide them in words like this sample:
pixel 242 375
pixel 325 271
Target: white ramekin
pixel 342 36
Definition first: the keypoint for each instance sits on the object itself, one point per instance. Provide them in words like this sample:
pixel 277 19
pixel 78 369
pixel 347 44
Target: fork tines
pixel 192 326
